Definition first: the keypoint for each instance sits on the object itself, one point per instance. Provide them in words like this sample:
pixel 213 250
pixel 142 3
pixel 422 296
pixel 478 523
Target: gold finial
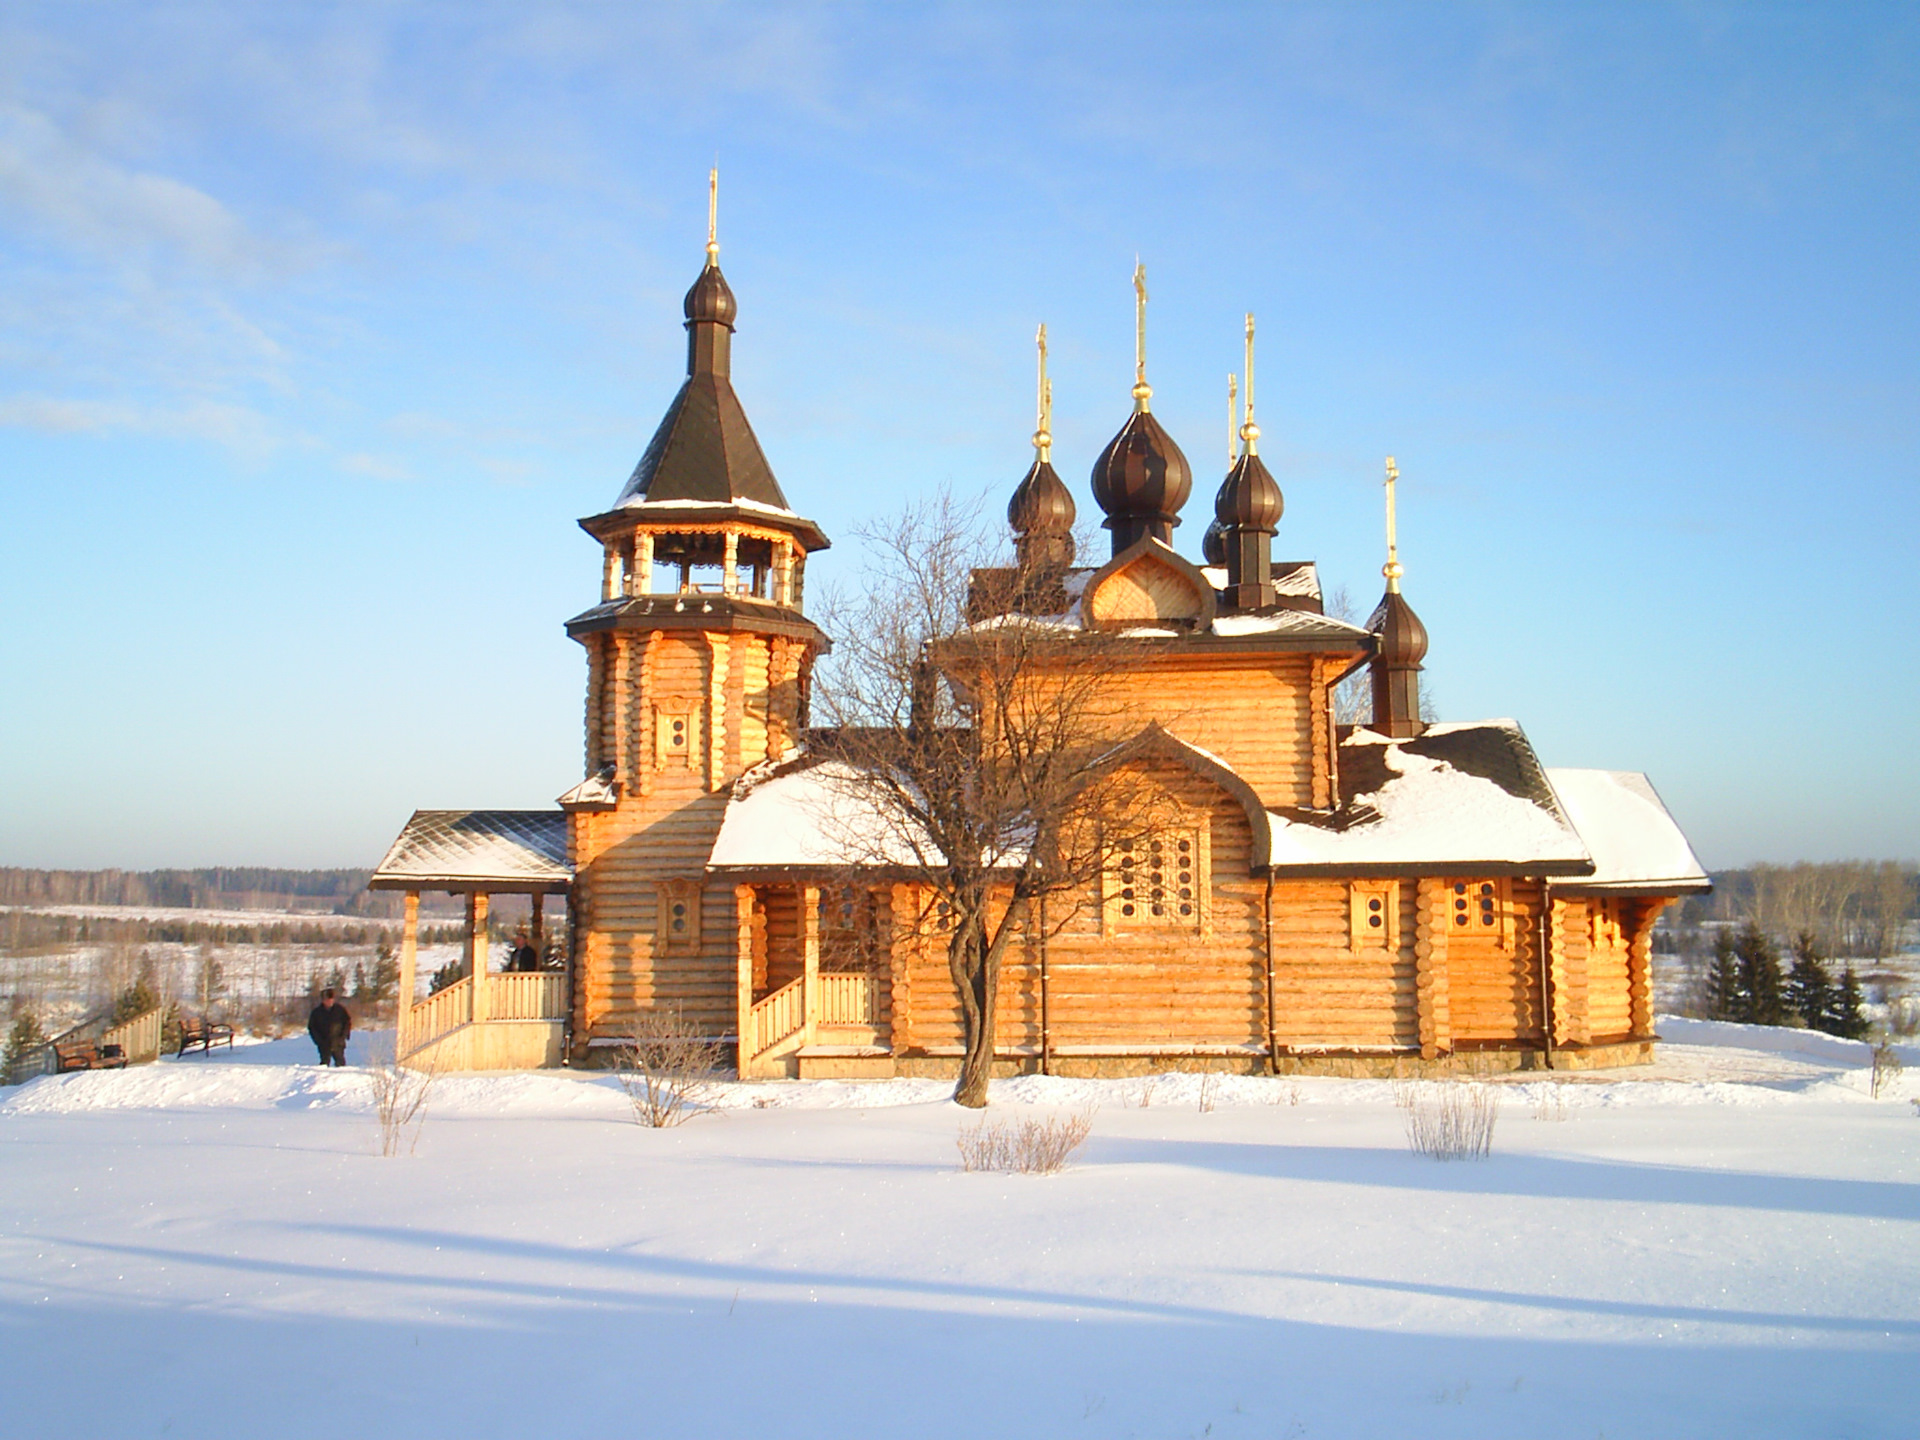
pixel 1249 431
pixel 1043 434
pixel 1142 392
pixel 1233 419
pixel 713 216
pixel 1392 569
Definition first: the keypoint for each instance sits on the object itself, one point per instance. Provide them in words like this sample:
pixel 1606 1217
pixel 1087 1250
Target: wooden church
pixel 1375 898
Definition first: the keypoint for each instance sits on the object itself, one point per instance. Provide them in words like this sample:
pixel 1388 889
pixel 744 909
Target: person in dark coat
pixel 329 1025
pixel 525 959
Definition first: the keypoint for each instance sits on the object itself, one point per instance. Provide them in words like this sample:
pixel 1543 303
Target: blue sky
pixel 320 326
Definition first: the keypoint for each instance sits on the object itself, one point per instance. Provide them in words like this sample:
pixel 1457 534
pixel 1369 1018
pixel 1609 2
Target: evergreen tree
pixel 26 1035
pixel 1844 1017
pixel 1723 979
pixel 136 1000
pixel 1809 986
pixel 1759 966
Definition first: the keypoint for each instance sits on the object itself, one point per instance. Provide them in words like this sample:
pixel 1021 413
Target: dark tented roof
pixel 704 451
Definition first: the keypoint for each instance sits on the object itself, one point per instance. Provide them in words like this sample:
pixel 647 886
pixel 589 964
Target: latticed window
pixel 1479 909
pixel 1157 880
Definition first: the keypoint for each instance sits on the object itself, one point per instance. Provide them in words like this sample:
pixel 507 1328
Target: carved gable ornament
pixel 1148 585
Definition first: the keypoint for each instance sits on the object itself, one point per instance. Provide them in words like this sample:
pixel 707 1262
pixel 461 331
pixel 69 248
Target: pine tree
pixel 136 1000
pixel 1809 986
pixel 26 1035
pixel 1844 1016
pixel 1723 980
pixel 1761 1003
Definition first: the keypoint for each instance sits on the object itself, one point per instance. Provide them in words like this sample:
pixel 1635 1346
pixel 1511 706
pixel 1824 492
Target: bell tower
pixel 699 655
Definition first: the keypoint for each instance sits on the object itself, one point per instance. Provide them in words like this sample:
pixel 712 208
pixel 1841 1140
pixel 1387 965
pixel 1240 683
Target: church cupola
pixel 1400 643
pixel 1247 512
pixel 1141 479
pixel 1042 510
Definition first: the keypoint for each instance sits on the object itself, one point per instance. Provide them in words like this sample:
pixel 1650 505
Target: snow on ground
pixel 1723 1244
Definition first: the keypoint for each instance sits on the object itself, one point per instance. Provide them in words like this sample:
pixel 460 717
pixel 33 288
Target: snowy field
pixel 1727 1244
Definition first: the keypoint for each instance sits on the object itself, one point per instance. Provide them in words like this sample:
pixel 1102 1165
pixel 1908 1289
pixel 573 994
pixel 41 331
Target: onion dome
pixel 1249 498
pixel 1141 480
pixel 1213 544
pixel 711 299
pixel 1042 514
pixel 1403 639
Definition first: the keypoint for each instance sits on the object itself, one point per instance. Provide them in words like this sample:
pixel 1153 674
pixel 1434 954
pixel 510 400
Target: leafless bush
pixel 1209 1091
pixel 1404 1093
pixel 399 1099
pixel 1886 1067
pixel 1144 1099
pixel 667 1067
pixel 1025 1147
pixel 1552 1104
pixel 1457 1124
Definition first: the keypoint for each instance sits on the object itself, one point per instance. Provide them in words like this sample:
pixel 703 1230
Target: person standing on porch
pixel 329 1025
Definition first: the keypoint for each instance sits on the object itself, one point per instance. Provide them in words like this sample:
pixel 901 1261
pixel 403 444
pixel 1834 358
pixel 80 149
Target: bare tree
pixel 983 751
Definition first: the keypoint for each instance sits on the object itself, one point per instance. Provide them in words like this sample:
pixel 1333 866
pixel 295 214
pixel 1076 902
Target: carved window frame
pixel 1373 916
pixel 1487 900
pixel 1123 913
pixel 676 733
pixel 676 918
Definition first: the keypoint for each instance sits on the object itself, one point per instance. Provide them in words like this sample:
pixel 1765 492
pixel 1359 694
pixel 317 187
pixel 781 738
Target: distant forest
pixel 221 887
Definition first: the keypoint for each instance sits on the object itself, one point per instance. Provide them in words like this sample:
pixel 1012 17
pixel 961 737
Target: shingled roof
pixel 706 451
pixel 508 850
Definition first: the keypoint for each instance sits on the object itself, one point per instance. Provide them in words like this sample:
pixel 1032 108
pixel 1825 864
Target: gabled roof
pixel 506 850
pixel 705 450
pixel 1457 800
pixel 1636 844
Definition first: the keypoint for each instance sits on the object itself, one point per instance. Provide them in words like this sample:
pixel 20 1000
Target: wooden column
pixel 609 574
pixel 539 928
pixel 730 565
pixel 642 565
pixel 477 951
pixel 742 973
pixel 783 572
pixel 409 958
pixel 810 955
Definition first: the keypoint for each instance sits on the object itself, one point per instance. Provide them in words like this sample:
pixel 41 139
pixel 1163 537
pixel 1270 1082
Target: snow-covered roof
pixel 1634 842
pixel 808 818
pixel 1455 799
pixel 742 502
pixel 472 849
pixel 1289 622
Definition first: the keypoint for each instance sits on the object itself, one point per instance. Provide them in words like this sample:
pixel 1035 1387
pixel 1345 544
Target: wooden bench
pixel 85 1055
pixel 204 1034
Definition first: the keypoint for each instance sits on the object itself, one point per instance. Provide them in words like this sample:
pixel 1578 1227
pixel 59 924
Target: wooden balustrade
pixel 848 999
pixel 535 996
pixel 780 1016
pixel 441 1012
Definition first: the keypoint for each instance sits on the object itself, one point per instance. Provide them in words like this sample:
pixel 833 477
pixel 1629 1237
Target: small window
pixel 1479 910
pixel 674 735
pixel 1374 915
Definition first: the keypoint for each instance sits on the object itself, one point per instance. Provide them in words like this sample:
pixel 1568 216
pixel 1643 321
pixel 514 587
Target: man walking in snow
pixel 329 1025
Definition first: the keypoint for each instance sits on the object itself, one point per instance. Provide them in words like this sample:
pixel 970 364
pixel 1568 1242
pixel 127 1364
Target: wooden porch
pixel 486 1020
pixel 831 1019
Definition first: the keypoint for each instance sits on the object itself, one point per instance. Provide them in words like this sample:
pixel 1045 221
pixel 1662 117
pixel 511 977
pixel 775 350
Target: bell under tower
pixel 699 656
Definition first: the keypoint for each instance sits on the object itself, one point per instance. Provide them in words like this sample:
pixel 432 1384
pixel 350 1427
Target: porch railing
pixel 516 996
pixel 848 999
pixel 780 1016
pixel 440 1013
